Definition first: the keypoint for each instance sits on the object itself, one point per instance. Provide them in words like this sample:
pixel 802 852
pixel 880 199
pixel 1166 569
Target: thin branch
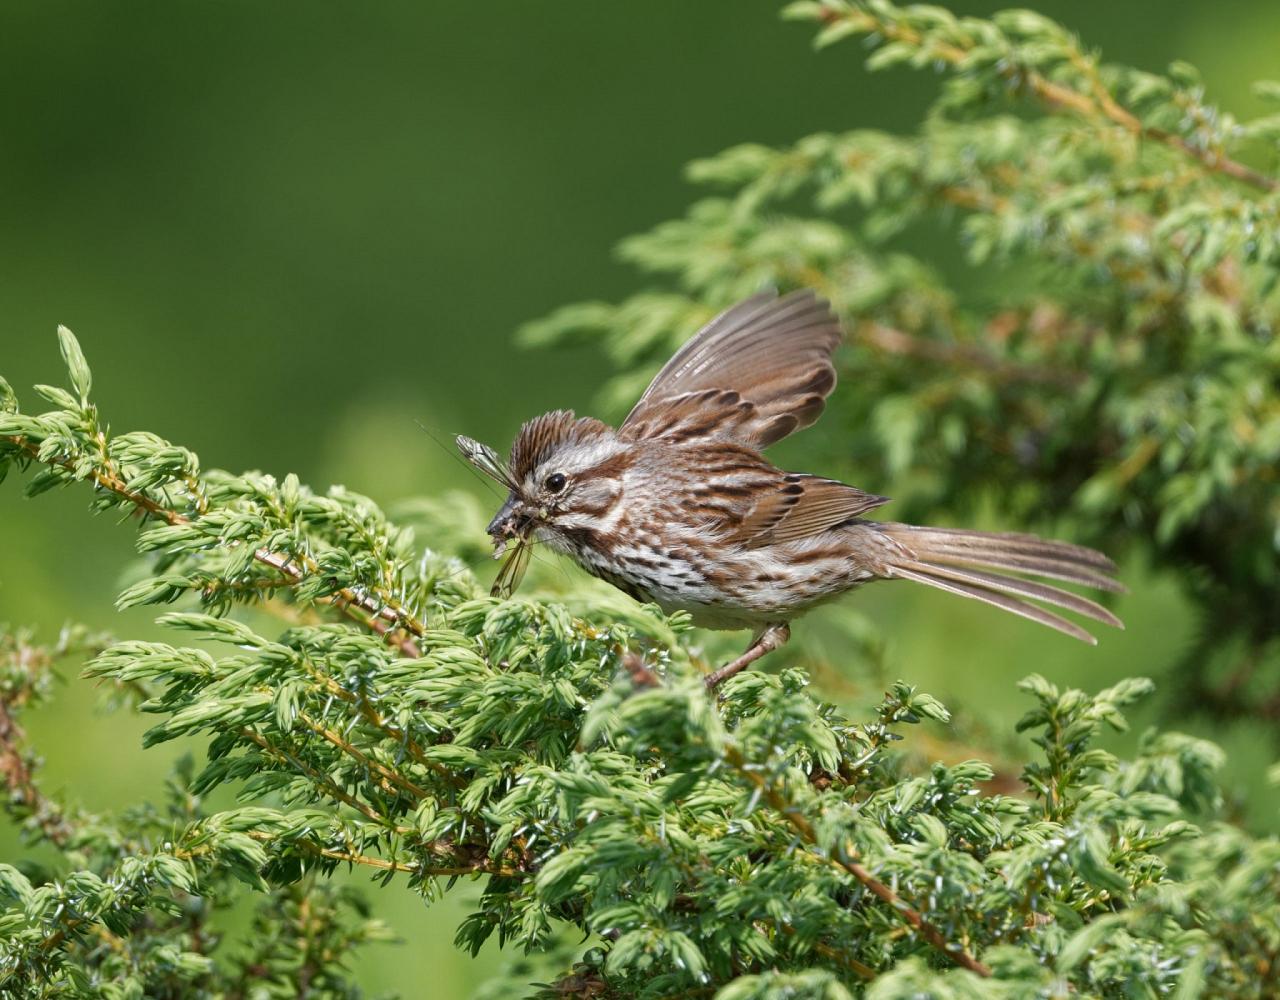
pixel 24 793
pixel 446 871
pixel 482 867
pixel 804 828
pixel 321 781
pixel 385 617
pixel 894 341
pixel 1061 98
pixel 17 769
pixel 389 777
pixel 859 969
pixel 375 719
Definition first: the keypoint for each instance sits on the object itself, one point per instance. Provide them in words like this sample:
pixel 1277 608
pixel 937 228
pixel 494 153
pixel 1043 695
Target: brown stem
pixel 1062 98
pixel 445 871
pixel 375 719
pixel 385 617
pixel 24 793
pixel 16 768
pixel 321 781
pixel 895 341
pixel 804 828
pixel 484 866
pixel 860 969
pixel 389 777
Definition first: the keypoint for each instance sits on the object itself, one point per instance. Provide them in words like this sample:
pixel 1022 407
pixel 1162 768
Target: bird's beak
pixel 512 521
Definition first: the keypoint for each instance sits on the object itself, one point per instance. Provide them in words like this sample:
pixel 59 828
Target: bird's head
pixel 564 475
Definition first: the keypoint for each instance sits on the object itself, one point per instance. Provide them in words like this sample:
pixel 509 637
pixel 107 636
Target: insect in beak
pixel 512 571
pixel 486 460
pixel 512 522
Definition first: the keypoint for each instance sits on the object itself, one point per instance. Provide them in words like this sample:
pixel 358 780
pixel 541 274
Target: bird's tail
pixel 994 566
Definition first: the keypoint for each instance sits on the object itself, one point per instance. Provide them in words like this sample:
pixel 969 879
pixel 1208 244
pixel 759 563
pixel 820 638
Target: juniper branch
pixel 386 615
pixel 846 860
pixel 1094 101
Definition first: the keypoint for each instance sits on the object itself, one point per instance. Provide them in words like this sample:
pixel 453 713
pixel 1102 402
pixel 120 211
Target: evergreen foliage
pixel 372 708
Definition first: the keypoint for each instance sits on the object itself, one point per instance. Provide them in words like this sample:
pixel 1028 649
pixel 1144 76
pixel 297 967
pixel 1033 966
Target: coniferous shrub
pixel 374 709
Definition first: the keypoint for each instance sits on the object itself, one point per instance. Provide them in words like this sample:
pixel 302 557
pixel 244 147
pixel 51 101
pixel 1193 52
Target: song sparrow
pixel 678 507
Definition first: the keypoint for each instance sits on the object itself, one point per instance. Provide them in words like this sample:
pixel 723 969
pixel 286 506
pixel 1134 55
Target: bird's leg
pixel 764 641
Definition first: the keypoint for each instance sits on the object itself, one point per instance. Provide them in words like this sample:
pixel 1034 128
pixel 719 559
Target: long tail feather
pixel 961 562
pixel 994 597
pixel 1024 588
pixel 1049 568
pixel 1010 543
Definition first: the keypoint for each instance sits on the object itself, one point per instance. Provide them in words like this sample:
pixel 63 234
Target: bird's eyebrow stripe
pixel 614 465
pixel 600 509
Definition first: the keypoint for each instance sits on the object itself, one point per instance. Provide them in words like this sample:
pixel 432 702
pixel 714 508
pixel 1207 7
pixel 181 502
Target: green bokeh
pixel 285 232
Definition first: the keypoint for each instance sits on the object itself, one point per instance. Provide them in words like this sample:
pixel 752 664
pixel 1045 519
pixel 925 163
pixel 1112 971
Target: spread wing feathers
pixel 960 562
pixel 754 374
pixel 800 507
pixel 704 415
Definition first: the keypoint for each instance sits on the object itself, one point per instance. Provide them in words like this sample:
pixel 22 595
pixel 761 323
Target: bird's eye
pixel 555 482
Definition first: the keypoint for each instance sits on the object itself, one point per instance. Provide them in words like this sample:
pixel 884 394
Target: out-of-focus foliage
pixel 1112 358
pixel 568 756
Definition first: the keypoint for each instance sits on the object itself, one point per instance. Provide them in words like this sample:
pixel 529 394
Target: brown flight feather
pixel 768 361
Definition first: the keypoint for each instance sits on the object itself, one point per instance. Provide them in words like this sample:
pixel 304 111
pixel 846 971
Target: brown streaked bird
pixel 678 506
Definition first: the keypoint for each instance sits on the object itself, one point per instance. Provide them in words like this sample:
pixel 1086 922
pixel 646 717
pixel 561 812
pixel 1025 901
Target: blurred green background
pixel 284 233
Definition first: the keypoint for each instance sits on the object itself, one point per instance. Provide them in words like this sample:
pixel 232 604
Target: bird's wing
pixel 751 376
pixel 799 507
pixel 746 501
